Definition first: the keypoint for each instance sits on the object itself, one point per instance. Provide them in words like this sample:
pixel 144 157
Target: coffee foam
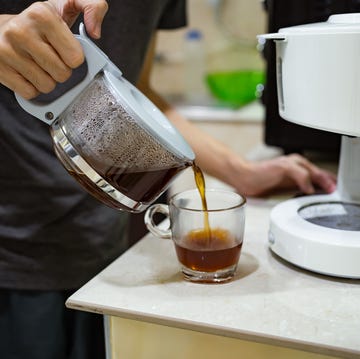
pixel 103 130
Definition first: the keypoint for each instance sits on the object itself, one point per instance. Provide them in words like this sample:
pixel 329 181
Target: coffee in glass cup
pixel 208 250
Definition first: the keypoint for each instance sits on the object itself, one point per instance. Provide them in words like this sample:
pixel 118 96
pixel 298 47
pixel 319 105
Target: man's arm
pixel 218 160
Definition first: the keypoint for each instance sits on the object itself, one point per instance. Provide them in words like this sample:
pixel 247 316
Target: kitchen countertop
pixel 269 301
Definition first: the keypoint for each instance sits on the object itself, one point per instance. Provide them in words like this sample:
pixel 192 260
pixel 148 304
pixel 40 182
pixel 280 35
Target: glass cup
pixel 207 242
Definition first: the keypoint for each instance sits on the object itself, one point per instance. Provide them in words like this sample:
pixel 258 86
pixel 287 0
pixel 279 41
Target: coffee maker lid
pixel 336 24
pixel 147 115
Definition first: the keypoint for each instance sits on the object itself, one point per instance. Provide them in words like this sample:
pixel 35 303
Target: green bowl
pixel 235 88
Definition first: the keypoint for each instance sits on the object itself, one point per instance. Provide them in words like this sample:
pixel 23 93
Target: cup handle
pixel 156 230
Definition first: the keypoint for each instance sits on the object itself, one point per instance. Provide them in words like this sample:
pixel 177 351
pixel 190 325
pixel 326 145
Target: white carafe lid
pixel 148 116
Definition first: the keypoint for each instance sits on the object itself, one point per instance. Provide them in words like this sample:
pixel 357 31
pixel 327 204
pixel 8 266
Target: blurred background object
pixel 195 91
pixel 235 73
pixel 216 55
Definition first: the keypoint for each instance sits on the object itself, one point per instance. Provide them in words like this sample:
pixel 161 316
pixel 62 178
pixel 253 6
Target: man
pixel 53 235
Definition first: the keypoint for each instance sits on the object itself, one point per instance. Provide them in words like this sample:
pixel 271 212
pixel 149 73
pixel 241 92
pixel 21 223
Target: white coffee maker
pixel 318 82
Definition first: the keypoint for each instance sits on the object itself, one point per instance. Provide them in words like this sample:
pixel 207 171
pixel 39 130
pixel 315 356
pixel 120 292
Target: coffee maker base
pixel 331 247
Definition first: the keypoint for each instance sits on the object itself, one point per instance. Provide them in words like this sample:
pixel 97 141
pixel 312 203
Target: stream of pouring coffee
pixel 200 184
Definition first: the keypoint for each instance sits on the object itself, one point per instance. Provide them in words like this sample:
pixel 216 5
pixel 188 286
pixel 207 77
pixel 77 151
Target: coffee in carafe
pixel 113 143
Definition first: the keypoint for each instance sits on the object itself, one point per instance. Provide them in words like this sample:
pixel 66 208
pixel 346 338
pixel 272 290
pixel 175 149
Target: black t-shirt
pixel 53 234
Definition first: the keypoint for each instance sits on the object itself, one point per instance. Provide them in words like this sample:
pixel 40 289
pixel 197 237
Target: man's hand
pixel 284 172
pixel 37 48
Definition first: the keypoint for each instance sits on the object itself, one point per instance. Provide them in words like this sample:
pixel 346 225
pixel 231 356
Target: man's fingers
pixel 17 83
pixel 302 178
pixel 66 46
pixel 313 175
pixel 51 29
pixel 94 13
pixel 50 62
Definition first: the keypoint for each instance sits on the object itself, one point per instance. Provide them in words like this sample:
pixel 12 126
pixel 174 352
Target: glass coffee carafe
pixel 111 138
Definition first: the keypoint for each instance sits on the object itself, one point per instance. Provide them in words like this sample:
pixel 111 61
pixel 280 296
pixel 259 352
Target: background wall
pixel 226 26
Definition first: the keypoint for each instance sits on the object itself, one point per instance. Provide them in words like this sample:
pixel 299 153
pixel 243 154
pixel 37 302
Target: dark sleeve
pixel 174 15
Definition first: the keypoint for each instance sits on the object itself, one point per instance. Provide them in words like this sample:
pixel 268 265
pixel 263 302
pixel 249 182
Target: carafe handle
pixel 96 60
